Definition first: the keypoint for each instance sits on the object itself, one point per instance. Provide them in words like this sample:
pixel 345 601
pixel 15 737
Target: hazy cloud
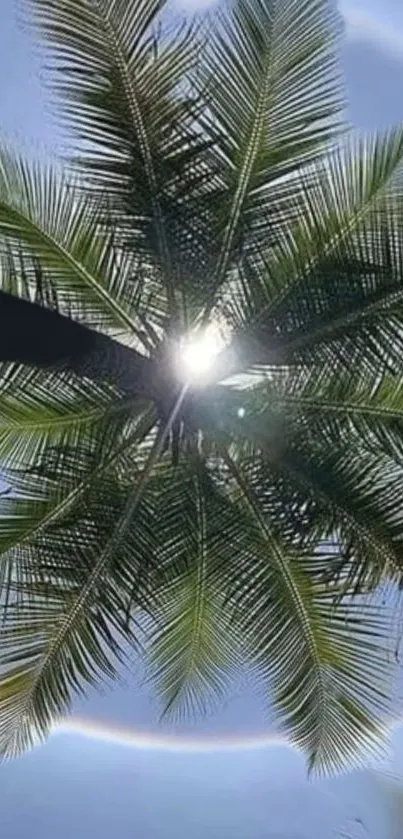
pixel 362 24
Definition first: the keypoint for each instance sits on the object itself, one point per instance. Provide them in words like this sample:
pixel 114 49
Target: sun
pixel 197 354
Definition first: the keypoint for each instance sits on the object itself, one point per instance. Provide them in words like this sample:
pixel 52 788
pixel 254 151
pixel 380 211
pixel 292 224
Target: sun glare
pixel 198 353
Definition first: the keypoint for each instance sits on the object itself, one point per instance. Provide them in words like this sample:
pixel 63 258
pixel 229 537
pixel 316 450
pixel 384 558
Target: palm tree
pixel 211 513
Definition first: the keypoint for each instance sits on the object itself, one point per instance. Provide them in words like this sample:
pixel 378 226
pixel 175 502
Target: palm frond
pixel 40 410
pixel 69 555
pixel 325 665
pixel 331 469
pixel 195 647
pixel 364 409
pixel 54 245
pixel 273 103
pixel 331 290
pixel 47 482
pixel 118 69
pixel 65 554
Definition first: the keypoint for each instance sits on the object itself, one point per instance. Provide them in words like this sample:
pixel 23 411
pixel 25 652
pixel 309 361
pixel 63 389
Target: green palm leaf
pixel 55 621
pixel 323 291
pixel 119 84
pixel 284 609
pixel 274 100
pixel 301 452
pixel 194 644
pixel 45 216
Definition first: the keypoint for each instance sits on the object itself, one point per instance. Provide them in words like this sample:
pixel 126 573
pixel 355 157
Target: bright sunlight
pixel 198 352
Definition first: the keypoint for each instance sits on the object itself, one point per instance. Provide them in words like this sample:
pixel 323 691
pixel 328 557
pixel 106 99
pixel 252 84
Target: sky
pixel 114 771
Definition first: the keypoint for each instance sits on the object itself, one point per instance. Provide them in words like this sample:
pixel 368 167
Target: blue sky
pixel 74 785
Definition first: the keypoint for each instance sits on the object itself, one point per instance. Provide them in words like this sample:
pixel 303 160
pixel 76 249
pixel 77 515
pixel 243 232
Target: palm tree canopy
pixel 247 515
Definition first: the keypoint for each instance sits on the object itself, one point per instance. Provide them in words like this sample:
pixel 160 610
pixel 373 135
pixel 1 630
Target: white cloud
pixel 192 6
pixel 361 24
pixel 364 25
